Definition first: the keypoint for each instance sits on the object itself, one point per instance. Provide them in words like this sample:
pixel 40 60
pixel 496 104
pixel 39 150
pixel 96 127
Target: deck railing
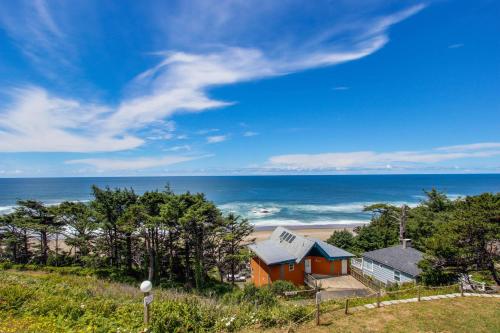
pixel 366 280
pixel 357 262
pixel 312 282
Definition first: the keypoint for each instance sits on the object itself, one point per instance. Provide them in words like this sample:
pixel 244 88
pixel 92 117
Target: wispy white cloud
pixel 38 121
pixel 164 130
pixel 469 147
pixel 217 138
pixel 206 131
pixel 370 159
pixel 179 148
pixel 341 88
pixel 250 133
pixel 39 36
pixel 455 46
pixel 108 164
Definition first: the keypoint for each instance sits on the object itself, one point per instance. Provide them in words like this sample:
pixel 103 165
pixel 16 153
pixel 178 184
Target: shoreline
pixel 306 226
pixel 322 231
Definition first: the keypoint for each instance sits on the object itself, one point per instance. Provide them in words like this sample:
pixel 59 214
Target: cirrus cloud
pixel 217 138
pixel 376 160
pixel 109 164
pixel 38 120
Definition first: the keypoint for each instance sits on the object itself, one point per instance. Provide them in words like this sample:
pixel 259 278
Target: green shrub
pixel 280 286
pixel 5 265
pixel 282 315
pixel 13 296
pixel 251 294
pixel 186 316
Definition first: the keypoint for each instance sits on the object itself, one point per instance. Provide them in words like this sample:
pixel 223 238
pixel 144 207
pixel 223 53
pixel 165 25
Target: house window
pixel 291 267
pixel 397 276
pixel 368 265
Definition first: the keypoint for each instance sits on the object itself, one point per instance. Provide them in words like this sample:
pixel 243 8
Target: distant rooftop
pixel 285 246
pixel 399 258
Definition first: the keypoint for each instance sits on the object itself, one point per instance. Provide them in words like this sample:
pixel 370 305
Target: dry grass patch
pixel 469 314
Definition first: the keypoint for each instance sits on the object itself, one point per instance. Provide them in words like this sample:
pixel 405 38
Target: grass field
pixel 468 314
pixel 36 301
pixel 33 301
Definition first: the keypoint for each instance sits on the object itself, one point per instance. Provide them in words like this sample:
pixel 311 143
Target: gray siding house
pixel 396 264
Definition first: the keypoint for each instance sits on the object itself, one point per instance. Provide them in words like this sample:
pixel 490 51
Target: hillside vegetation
pixel 36 301
pixel 172 239
pixel 458 237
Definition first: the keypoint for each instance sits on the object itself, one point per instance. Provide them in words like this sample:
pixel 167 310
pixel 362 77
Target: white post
pixel 146 287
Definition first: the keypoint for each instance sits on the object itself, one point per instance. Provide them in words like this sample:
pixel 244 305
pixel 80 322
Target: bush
pixel 112 274
pixel 280 286
pixel 251 294
pixel 13 297
pixel 5 265
pixel 279 316
pixel 189 315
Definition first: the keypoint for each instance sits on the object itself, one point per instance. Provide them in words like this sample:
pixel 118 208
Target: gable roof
pixel 285 246
pixel 332 251
pixel 271 253
pixel 404 260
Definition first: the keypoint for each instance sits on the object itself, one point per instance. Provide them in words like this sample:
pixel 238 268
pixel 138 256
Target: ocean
pixel 266 200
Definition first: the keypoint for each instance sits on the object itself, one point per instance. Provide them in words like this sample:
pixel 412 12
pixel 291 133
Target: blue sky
pixel 93 88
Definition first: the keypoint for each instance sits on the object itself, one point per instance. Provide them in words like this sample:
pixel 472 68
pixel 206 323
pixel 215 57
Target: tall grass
pixel 35 301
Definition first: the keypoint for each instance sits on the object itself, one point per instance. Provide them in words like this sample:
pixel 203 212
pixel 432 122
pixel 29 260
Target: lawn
pixel 468 314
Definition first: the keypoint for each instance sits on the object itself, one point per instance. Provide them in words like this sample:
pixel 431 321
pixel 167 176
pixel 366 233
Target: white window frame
pixel 291 267
pixel 398 276
pixel 370 266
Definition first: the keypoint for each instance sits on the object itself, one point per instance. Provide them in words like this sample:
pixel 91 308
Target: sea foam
pixel 294 222
pixel 255 210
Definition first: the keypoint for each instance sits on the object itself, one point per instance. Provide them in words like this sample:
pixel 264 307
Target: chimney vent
pixel 406 242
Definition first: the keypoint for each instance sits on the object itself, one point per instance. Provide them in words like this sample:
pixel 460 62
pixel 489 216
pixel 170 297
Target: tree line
pixel 177 238
pixel 458 237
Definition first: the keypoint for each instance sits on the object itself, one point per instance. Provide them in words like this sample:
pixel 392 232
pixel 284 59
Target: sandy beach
pixel 322 232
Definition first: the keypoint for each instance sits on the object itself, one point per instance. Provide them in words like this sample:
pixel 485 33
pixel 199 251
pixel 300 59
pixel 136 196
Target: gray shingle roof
pixel 331 250
pixel 284 245
pixel 299 247
pixel 271 253
pixel 404 260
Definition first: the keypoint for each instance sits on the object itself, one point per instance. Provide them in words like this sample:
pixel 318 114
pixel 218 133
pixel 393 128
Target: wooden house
pixel 288 256
pixel 395 264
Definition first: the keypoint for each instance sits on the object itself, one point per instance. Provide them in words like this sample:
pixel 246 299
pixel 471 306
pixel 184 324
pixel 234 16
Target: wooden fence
pixel 417 293
pixel 366 280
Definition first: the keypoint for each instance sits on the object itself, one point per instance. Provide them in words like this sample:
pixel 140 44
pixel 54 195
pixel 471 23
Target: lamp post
pixel 146 287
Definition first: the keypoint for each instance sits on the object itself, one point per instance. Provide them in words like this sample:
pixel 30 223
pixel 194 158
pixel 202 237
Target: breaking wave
pixel 6 209
pixel 9 209
pixel 261 210
pixel 294 222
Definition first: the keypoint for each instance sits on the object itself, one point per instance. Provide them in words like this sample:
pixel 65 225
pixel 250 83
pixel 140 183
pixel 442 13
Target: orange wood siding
pixel 337 267
pixel 297 275
pixel 321 265
pixel 260 275
pixel 263 274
